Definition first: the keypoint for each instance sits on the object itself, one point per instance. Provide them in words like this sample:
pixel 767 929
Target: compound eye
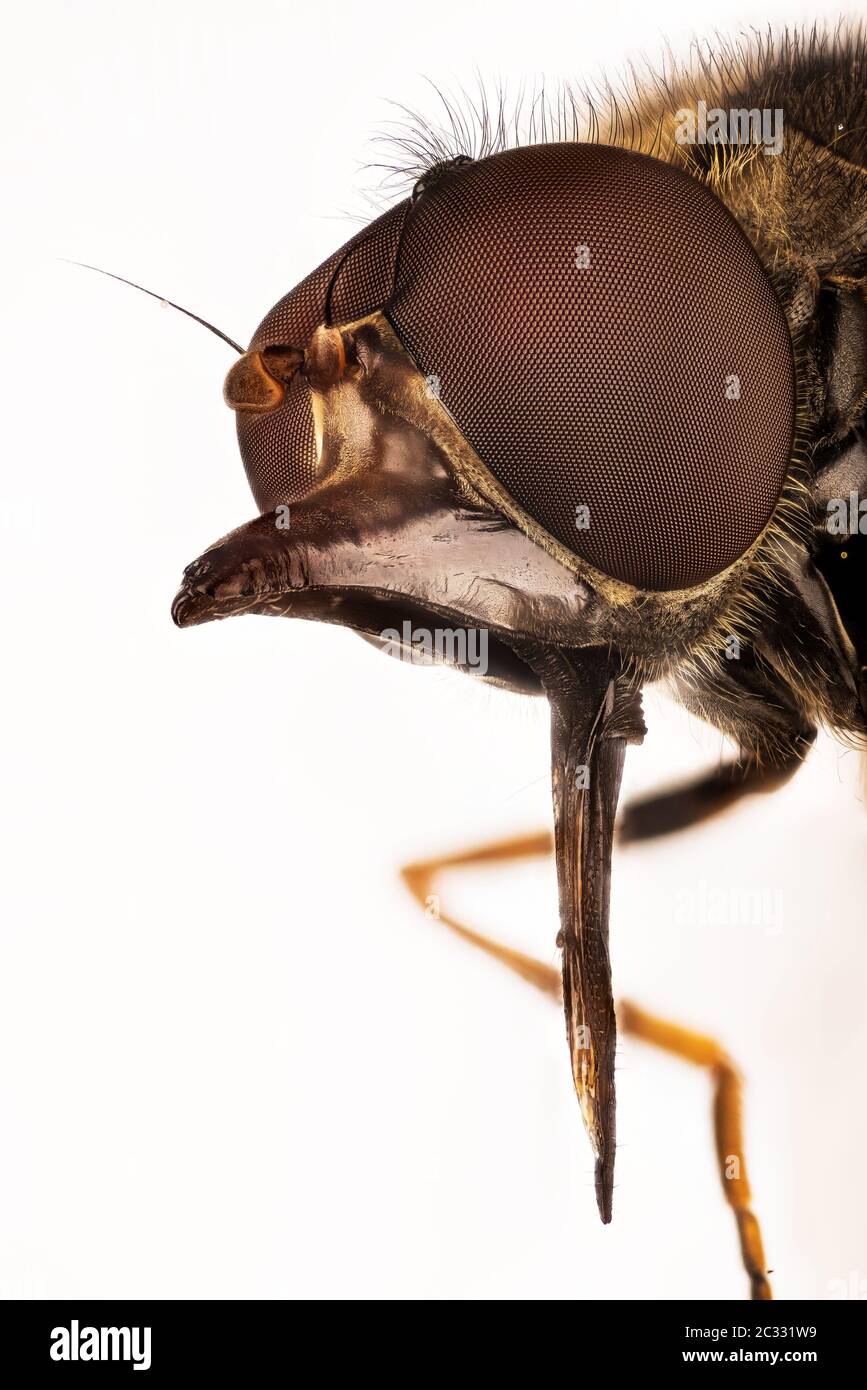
pixel 270 389
pixel 278 447
pixel 620 362
pixel 275 423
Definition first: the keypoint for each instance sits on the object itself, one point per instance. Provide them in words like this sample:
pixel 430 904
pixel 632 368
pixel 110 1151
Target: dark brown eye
pixel 603 334
pixel 609 342
pixel 279 448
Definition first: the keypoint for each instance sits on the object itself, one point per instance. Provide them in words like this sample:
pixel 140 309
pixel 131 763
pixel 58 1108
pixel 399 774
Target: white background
pixel 235 1060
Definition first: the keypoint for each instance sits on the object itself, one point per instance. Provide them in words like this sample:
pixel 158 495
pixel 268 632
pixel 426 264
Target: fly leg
pixel 421 877
pixel 422 880
pixel 750 703
pixel 664 813
pixel 727 1124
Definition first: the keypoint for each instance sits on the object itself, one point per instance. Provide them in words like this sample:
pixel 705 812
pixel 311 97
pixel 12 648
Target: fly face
pixel 388 532
pixel 466 415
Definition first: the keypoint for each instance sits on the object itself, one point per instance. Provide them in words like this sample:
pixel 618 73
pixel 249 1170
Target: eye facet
pixel 620 362
pixel 278 448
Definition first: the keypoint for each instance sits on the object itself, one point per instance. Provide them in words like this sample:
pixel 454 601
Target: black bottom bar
pixel 239 1343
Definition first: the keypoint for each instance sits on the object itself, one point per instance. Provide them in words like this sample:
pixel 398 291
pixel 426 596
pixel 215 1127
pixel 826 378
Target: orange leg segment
pixel 702 1051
